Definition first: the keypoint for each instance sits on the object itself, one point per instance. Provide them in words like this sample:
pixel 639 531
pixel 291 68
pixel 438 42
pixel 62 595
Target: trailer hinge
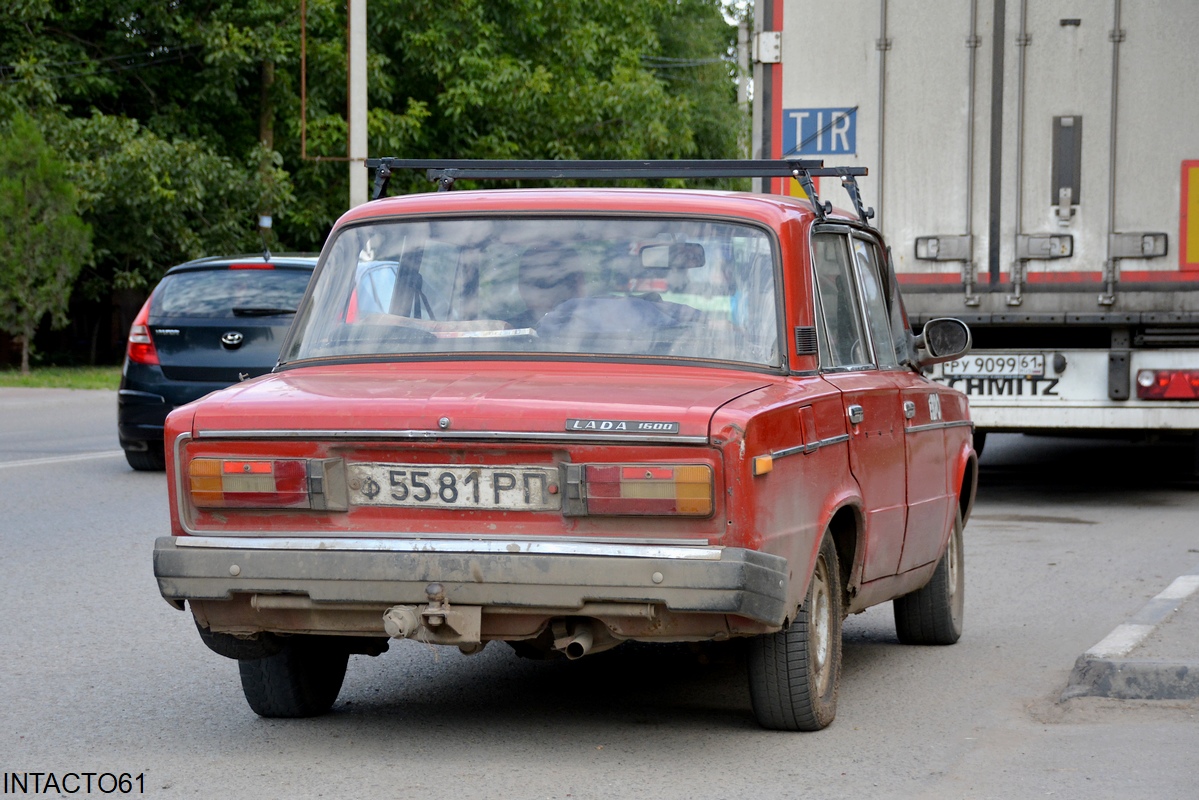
pixel 768 47
pixel 1017 296
pixel 970 296
pixel 1119 371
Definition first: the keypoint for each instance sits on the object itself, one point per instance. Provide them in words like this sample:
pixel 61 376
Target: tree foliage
pixel 43 242
pixel 182 121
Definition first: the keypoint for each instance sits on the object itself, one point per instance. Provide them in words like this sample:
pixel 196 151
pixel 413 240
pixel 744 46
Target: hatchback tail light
pixel 1168 384
pixel 628 489
pixel 141 348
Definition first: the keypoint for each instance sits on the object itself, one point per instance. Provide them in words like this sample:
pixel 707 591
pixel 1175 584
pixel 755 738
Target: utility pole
pixel 356 119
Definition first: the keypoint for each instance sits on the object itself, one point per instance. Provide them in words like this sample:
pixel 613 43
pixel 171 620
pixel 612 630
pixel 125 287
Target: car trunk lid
pixel 613 402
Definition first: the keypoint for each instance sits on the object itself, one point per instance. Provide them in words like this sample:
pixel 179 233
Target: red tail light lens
pixel 225 483
pixel 1168 384
pixel 649 490
pixel 141 348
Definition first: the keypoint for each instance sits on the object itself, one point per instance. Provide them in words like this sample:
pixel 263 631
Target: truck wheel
pixel 301 680
pixel 794 674
pixel 933 615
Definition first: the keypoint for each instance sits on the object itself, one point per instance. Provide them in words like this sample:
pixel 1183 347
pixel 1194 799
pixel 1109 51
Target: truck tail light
pixel 1168 384
pixel 140 349
pixel 242 483
pixel 650 490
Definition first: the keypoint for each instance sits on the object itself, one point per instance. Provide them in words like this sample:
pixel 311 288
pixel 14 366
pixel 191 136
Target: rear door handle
pixel 856 414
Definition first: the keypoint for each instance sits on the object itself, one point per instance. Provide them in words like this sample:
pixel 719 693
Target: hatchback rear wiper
pixel 261 311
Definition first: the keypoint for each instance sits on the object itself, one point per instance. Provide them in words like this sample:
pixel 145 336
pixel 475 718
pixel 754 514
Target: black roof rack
pixel 444 172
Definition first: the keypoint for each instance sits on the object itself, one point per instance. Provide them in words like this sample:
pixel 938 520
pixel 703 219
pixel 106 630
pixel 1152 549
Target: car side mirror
pixel 943 339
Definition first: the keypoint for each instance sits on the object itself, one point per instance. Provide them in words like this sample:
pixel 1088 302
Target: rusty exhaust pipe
pixel 579 644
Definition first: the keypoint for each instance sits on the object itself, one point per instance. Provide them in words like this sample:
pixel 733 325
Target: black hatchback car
pixel 208 324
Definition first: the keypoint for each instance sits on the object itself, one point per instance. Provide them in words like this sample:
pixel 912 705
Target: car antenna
pixel 264 225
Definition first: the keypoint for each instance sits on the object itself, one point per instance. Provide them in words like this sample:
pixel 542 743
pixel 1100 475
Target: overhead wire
pixel 151 58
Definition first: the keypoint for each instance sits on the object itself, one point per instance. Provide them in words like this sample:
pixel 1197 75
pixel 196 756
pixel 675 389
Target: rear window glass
pixel 218 292
pixel 625 286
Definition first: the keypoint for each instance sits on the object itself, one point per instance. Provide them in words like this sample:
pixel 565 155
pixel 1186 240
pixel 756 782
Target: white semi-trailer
pixel 1035 165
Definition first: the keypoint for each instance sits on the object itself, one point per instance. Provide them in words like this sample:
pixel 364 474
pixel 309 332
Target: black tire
pixel 794 675
pixel 933 615
pixel 146 460
pixel 980 441
pixel 301 680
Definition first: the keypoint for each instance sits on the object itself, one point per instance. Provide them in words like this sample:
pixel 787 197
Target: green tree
pixel 43 241
pixel 155 202
pixel 182 121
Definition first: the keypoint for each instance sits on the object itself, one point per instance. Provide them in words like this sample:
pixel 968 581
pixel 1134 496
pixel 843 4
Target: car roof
pixel 253 260
pixel 767 208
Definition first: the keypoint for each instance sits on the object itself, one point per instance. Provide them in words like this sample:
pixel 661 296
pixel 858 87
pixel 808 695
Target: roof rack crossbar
pixel 683 168
pixel 446 171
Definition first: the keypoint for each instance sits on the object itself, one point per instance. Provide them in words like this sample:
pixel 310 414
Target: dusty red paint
pixel 902 486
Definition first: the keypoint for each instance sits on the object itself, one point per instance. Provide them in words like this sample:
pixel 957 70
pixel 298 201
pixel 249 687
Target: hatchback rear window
pixel 225 292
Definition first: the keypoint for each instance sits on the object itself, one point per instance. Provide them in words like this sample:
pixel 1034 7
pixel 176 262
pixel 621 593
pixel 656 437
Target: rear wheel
pixel 933 615
pixel 301 680
pixel 794 674
pixel 146 460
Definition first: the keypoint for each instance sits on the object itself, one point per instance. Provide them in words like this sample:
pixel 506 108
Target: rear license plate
pixel 439 486
pixel 996 365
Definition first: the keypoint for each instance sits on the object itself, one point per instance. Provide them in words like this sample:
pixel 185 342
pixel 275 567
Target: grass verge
pixel 63 378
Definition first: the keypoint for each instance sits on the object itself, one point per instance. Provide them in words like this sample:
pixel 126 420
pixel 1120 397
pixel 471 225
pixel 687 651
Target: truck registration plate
pixel 441 486
pixel 996 365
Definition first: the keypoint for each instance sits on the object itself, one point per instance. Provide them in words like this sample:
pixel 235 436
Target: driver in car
pixel 547 278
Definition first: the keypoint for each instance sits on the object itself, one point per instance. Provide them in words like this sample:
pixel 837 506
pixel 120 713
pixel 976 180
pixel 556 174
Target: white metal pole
pixel 356 112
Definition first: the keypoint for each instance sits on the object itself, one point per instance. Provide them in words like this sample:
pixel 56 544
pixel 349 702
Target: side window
pixel 901 331
pixel 841 335
pixel 866 258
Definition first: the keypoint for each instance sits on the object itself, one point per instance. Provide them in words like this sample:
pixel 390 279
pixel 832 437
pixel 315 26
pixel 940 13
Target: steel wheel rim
pixel 953 559
pixel 820 626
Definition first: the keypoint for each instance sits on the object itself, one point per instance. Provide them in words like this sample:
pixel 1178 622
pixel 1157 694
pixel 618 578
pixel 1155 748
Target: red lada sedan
pixel 569 418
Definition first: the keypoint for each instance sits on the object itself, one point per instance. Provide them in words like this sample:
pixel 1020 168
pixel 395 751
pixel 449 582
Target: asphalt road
pixel 1068 539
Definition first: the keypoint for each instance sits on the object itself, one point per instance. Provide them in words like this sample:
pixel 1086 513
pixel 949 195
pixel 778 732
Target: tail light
pixel 267 483
pixel 1168 384
pixel 649 490
pixel 141 348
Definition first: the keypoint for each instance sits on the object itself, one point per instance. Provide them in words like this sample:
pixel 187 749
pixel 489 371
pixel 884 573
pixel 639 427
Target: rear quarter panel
pixel 785 511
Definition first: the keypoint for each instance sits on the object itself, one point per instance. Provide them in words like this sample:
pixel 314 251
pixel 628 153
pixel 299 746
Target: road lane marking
pixel 1120 641
pixel 39 462
pixel 1126 637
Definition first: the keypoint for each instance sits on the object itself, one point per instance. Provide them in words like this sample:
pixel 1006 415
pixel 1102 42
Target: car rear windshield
pixel 658 288
pixel 230 292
